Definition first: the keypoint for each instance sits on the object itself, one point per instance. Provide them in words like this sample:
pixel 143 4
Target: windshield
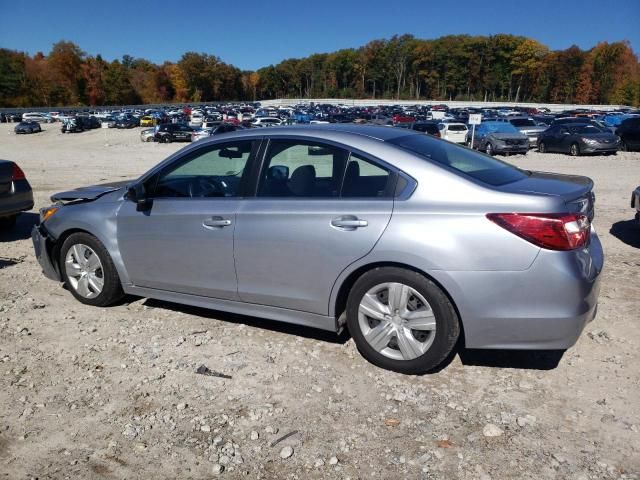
pixel 473 164
pixel 500 127
pixel 523 122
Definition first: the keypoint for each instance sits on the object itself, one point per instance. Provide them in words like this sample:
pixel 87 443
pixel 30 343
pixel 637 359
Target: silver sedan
pixel 410 242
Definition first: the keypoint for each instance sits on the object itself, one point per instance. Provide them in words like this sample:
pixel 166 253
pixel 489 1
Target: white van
pixel 196 119
pixel 453 132
pixel 37 117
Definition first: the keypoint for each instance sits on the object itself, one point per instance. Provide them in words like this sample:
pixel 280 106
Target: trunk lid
pixel 575 190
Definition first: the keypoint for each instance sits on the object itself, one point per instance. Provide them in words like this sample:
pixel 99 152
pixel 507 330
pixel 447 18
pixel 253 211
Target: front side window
pixel 213 171
pixel 299 168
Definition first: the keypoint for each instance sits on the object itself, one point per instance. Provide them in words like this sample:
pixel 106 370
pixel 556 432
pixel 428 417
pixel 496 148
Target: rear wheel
pixel 88 271
pixel 401 321
pixel 542 148
pixel 574 150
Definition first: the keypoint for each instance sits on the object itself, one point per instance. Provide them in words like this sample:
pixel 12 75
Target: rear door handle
pixel 216 222
pixel 348 222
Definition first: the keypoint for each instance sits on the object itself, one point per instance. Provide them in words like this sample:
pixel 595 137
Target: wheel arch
pixel 337 310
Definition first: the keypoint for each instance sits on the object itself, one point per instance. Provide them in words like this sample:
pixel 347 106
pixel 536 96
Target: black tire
pixel 447 322
pixel 168 139
pixel 488 148
pixel 542 148
pixel 624 146
pixel 112 289
pixel 574 150
pixel 8 222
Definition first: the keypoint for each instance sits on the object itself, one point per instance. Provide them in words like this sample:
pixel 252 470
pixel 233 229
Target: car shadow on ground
pixel 22 228
pixel 627 231
pixel 518 359
pixel 266 324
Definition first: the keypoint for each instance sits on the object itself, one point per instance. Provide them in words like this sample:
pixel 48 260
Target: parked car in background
pixel 147 121
pixel 15 193
pixel 127 122
pixel 27 127
pixel 37 117
pixel 266 122
pixel 217 130
pixel 148 135
pixel 173 132
pixel 196 119
pixel 578 139
pixel 453 132
pixel 429 128
pixel 72 125
pixel 219 221
pixel 498 137
pixel 529 127
pixel 107 122
pixel 629 133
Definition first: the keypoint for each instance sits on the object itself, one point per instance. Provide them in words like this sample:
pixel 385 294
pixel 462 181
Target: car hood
pixel 89 193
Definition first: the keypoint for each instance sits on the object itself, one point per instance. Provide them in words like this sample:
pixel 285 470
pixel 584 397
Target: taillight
pixel 17 173
pixel 554 231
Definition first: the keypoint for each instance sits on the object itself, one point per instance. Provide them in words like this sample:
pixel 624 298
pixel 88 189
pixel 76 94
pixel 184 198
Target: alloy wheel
pixel 84 270
pixel 397 321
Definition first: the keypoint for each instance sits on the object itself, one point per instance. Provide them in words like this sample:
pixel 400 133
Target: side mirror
pixel 137 193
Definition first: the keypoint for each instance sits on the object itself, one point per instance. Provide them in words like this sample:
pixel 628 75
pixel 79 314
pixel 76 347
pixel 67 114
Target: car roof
pixel 372 131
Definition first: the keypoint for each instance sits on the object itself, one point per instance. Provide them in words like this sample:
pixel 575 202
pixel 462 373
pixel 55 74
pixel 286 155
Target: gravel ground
pixel 113 393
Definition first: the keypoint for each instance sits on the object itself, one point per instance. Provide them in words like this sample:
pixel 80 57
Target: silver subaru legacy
pixel 410 242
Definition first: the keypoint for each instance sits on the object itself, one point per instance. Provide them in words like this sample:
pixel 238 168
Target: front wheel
pixel 489 149
pixel 401 320
pixel 542 148
pixel 574 150
pixel 88 271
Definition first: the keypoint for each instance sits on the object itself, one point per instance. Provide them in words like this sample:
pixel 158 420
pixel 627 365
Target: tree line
pixel 455 67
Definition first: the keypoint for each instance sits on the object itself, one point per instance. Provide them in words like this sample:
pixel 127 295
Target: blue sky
pixel 251 34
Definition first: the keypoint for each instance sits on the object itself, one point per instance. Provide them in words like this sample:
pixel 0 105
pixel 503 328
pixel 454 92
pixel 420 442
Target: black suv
pixel 629 133
pixel 173 132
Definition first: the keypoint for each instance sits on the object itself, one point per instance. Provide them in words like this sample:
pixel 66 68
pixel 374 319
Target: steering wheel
pixel 207 187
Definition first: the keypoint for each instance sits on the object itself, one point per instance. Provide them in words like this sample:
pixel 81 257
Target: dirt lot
pixel 113 393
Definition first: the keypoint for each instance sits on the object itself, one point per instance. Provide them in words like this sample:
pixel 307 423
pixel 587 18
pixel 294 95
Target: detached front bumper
pixel 42 244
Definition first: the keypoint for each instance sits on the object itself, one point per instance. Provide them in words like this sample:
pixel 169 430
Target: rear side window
pixel 364 179
pixel 299 168
pixel 476 165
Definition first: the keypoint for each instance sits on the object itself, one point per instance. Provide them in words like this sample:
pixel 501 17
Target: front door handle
pixel 216 222
pixel 348 222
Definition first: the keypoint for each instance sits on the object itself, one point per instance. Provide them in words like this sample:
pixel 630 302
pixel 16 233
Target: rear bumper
pixel 19 200
pixel 42 243
pixel 543 308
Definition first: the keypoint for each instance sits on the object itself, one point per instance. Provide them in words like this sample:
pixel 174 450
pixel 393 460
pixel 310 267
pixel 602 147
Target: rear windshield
pixel 457 128
pixel 476 165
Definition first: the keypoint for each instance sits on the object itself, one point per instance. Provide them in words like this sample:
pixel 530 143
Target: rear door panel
pixel 289 255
